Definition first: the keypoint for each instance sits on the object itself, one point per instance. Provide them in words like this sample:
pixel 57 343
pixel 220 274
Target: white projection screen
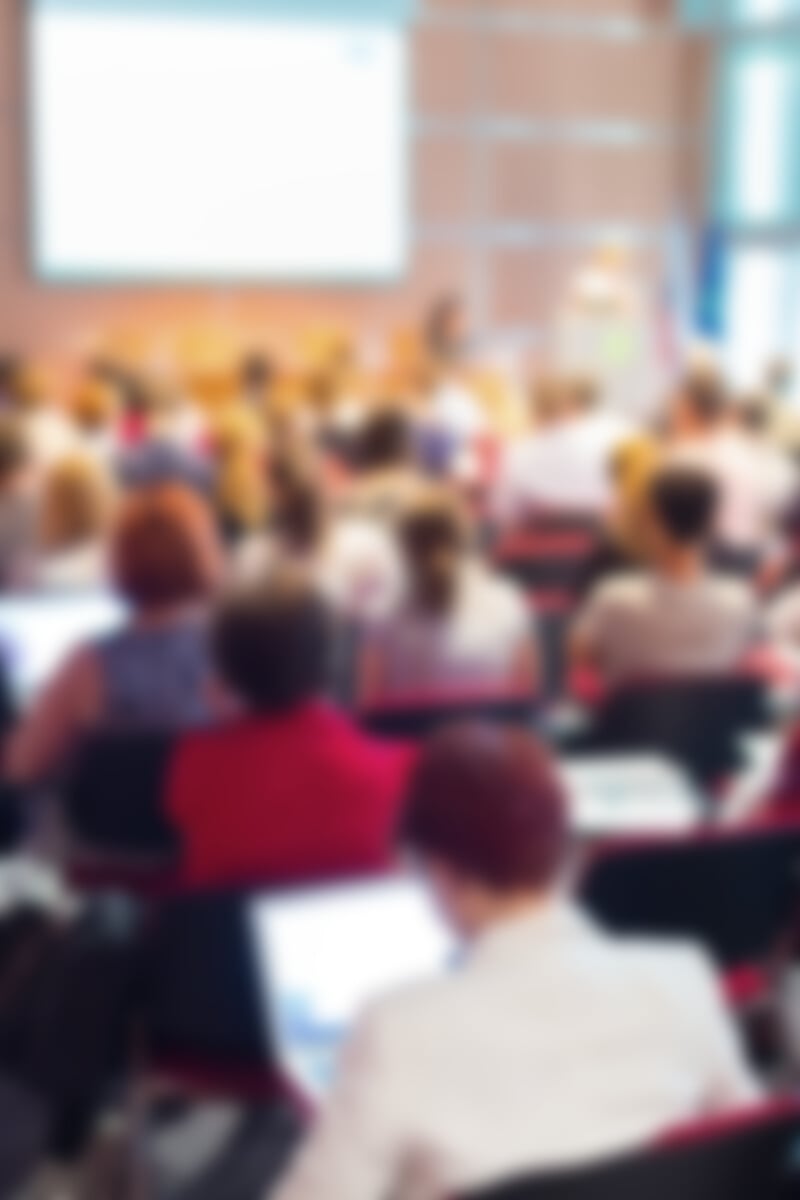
pixel 204 140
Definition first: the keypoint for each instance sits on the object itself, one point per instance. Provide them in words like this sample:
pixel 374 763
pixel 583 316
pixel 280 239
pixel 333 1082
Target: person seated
pixel 550 1044
pixel 294 789
pixel 679 616
pixel 18 505
pixel 95 412
pixel 461 627
pixel 156 673
pixel 76 511
pixel 708 432
pixel 387 477
pixel 352 558
pixel 564 463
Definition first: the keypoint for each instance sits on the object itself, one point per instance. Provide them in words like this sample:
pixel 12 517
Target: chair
pixel 113 804
pixel 697 722
pixel 548 555
pixel 753 1158
pixel 411 719
pixel 736 892
pixel 202 1023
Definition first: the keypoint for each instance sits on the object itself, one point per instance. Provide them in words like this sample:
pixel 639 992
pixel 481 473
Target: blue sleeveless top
pixel 157 678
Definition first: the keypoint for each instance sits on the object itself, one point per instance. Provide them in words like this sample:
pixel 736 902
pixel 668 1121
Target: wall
pixel 538 124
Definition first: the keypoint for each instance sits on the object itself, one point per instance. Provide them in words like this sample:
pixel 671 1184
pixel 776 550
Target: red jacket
pixel 302 796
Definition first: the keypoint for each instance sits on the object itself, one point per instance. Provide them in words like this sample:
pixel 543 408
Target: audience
pixel 292 790
pixel 551 1044
pixel 156 673
pixel 679 616
pixel 460 627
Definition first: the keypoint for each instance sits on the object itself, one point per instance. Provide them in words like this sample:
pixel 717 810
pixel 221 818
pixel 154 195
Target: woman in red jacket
pixel 294 789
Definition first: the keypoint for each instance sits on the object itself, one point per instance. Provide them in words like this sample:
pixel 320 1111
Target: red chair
pixel 752 1156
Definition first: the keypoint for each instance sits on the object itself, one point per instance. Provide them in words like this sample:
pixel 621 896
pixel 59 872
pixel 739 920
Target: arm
pixel 354 1152
pixel 67 706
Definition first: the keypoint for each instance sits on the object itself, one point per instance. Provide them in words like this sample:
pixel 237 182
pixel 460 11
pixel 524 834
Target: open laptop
pixel 323 955
pixel 38 633
pixel 630 795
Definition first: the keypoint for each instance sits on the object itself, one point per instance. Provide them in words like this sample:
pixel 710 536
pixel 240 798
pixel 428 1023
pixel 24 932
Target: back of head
pixel 548 401
pixel 271 642
pixel 433 538
pixel 683 502
pixel 486 803
pixel 705 398
pixel 384 441
pixel 76 504
pixel 95 405
pixel 582 395
pixel 164 548
pixel 753 412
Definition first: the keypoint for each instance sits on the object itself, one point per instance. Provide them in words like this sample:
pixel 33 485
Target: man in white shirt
pixel 552 1044
pixel 565 462
pixel 679 617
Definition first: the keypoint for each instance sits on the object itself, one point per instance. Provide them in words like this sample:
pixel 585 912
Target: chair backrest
pixel 757 1159
pixel 548 554
pixel 114 797
pixel 410 720
pixel 200 995
pixel 737 893
pixel 698 722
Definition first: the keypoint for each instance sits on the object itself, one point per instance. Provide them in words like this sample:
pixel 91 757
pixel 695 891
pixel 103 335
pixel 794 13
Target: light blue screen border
pixel 373 12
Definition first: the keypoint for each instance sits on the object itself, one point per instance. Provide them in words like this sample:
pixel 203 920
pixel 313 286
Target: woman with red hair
pixel 551 1044
pixel 155 673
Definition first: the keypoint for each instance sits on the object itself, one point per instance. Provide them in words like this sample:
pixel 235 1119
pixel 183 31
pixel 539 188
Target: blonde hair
pixel 94 405
pixel 239 450
pixel 77 503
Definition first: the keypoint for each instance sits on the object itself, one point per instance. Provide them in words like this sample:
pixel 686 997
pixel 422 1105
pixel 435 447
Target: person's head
pixel 702 402
pixel 548 401
pixel 76 504
pixel 95 406
pixel 271 642
pixel 581 395
pixel 753 413
pixel 682 507
pixel 384 441
pixel 14 453
pixel 446 327
pixel 164 549
pixel 487 819
pixel 256 373
pixel 434 539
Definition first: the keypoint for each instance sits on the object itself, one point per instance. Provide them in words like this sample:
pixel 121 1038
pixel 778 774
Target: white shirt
pixel 566 466
pixel 755 480
pixel 475 647
pixel 554 1045
pixel 645 624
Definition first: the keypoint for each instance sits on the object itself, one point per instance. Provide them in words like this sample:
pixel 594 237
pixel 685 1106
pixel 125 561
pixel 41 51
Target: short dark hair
pixel 384 441
pixel 684 501
pixel 271 642
pixel 487 802
pixel 707 395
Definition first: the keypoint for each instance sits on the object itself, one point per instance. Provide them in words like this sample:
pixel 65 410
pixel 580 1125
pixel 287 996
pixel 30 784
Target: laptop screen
pixel 323 955
pixel 38 633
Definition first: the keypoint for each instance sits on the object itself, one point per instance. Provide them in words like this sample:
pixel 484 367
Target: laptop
pixel 630 795
pixel 322 956
pixel 39 632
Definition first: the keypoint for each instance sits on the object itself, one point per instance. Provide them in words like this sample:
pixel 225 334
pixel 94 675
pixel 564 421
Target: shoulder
pixel 733 594
pixel 680 975
pixel 627 590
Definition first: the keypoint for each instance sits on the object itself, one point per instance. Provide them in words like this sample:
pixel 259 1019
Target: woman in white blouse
pixel 461 628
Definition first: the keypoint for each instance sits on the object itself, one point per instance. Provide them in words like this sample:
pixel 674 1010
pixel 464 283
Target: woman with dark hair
pixel 460 628
pixel 551 1044
pixel 388 478
pixel 156 672
pixel 294 789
